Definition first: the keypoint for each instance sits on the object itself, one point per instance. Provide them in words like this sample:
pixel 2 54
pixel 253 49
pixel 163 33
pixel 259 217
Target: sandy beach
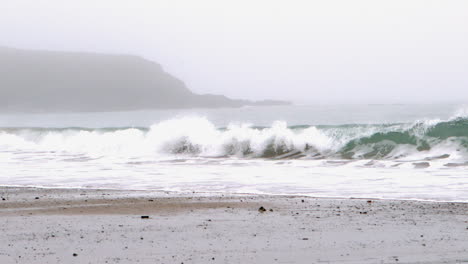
pixel 108 226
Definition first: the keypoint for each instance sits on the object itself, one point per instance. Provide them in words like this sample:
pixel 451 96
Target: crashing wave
pixel 200 138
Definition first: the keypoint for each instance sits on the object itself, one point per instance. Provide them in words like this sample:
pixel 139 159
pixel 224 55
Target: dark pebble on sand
pixel 37 198
pixel 261 209
pixel 145 217
pixel 75 255
pixel 305 238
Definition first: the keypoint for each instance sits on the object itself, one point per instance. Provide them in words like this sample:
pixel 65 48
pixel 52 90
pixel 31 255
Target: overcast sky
pixel 308 51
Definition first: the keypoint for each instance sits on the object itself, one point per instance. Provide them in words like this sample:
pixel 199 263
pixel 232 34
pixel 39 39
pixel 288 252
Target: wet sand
pixel 108 226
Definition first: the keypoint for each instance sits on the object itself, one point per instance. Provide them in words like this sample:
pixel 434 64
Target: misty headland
pixel 32 80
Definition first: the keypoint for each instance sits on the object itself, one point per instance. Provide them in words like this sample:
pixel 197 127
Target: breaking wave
pixel 198 137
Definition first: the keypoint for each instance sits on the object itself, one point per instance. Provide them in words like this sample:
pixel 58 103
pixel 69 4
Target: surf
pixel 198 137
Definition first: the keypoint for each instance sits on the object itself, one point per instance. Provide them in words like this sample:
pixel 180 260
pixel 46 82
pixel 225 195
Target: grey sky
pixel 306 51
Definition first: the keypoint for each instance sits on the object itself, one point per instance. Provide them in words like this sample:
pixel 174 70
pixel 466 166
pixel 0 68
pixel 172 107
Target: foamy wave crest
pixel 198 137
pixel 191 136
pixel 461 113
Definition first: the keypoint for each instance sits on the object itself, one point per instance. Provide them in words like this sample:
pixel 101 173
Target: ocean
pixel 360 151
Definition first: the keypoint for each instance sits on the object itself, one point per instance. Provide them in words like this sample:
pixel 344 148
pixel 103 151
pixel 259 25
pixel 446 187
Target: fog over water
pixel 307 51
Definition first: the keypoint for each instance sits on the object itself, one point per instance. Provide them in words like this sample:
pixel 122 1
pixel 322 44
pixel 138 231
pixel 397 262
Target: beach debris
pixel 37 198
pixel 150 200
pixel 3 199
pixel 145 217
pixel 262 209
pixel 362 212
pixel 75 255
pixel 369 201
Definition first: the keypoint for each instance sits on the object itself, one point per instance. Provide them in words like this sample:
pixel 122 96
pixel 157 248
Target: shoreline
pixel 101 225
pixel 166 193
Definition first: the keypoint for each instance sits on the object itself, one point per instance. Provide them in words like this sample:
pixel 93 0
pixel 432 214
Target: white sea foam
pixel 196 136
pixel 193 136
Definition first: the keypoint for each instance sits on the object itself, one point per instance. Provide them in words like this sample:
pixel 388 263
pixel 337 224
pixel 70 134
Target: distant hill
pixel 67 81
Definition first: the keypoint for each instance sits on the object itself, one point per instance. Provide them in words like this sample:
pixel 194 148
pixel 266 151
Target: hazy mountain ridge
pixel 69 81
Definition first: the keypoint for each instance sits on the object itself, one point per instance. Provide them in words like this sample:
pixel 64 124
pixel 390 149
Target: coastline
pixel 98 226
